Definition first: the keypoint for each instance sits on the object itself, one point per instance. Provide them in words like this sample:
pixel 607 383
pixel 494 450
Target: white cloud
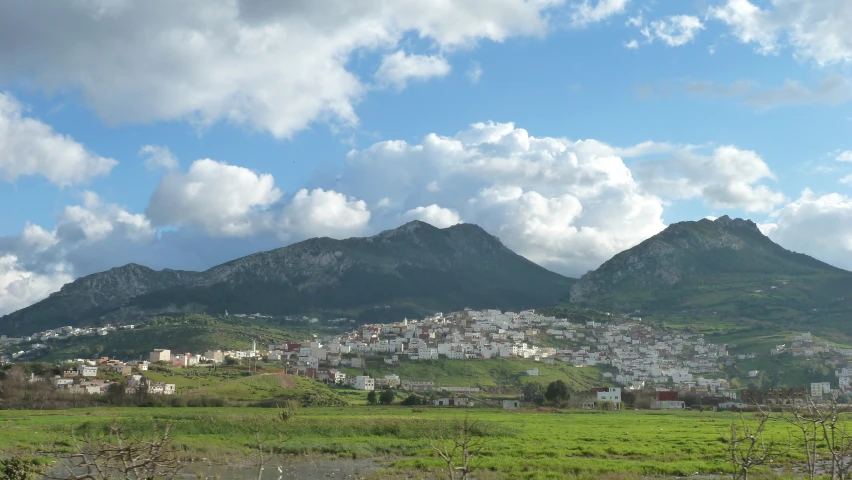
pixel 586 13
pixel 399 67
pixel 845 156
pixel 324 213
pixel 433 187
pixel 272 66
pixel 632 45
pixel 818 225
pixel 30 147
pixel 674 31
pixel 817 31
pixel 158 157
pixel 847 180
pixel 20 288
pixel 474 73
pixel 220 198
pixel 96 220
pixel 567 204
pixel 727 178
pixel 434 215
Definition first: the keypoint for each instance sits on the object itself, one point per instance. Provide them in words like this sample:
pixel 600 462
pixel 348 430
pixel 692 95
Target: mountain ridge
pixel 415 268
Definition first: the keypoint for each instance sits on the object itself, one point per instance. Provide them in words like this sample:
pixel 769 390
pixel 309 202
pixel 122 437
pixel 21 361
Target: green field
pixel 528 444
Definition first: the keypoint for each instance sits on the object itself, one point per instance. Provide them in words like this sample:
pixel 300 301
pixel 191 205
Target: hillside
pixel 720 271
pixel 412 270
pixel 195 333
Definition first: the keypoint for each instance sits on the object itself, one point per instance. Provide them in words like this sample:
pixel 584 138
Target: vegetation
pixel 525 445
pixel 494 375
pixel 722 272
pixel 414 270
pixel 181 333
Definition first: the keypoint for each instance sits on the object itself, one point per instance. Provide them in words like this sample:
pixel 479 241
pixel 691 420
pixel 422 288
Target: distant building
pixel 161 355
pixel 511 404
pixel 451 402
pixel 87 371
pixel 820 390
pixel 217 356
pixel 364 383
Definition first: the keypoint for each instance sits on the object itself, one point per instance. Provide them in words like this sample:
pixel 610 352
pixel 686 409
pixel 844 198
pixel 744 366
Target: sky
pixel 182 134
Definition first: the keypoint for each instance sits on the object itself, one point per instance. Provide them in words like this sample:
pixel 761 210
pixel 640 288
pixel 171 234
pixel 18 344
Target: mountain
pixel 724 269
pixel 411 270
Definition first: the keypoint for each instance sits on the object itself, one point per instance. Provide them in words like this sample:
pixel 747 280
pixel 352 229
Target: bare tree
pixel 116 455
pixel 458 444
pixel 749 447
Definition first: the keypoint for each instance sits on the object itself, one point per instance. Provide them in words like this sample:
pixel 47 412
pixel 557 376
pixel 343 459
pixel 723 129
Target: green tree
pixel 556 391
pixel 534 393
pixel 372 397
pixel 387 397
pixel 413 400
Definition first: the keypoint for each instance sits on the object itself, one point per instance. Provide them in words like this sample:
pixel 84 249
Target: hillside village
pixel 633 356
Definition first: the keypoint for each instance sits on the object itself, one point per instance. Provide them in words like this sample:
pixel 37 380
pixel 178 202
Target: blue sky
pixel 183 134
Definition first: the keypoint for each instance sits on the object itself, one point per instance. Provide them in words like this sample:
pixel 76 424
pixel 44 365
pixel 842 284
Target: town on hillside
pixel 642 365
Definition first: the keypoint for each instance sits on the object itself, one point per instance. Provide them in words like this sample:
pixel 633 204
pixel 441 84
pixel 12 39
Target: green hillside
pixel 413 270
pixel 493 374
pixel 718 272
pixel 195 333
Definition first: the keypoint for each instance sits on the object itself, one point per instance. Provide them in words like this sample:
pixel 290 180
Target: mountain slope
pixel 411 270
pixel 725 269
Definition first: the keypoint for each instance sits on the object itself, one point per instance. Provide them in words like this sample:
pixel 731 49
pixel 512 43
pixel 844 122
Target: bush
pixel 17 468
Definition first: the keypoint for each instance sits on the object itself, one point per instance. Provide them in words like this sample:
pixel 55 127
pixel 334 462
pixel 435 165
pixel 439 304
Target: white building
pixel 820 390
pixel 364 383
pixel 161 355
pixel 87 371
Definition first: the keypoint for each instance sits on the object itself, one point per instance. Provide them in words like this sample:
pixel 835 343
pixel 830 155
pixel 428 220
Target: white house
pixel 511 404
pixel 821 389
pixel 87 371
pixel 364 383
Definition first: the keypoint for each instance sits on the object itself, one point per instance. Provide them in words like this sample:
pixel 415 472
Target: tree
pixel 534 393
pixel 372 397
pixel 116 455
pixel 748 447
pixel 413 400
pixel 556 391
pixel 17 468
pixel 387 397
pixel 458 443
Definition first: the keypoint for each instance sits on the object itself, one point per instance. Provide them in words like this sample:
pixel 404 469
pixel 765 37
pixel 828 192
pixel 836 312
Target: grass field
pixel 500 372
pixel 528 444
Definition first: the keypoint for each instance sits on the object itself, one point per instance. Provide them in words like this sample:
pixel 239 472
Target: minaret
pixel 253 348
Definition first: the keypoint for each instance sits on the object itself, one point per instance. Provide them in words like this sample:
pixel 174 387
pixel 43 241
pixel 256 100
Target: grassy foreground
pixel 532 445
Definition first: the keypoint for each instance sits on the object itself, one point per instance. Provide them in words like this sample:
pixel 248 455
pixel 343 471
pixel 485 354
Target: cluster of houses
pixel 85 378
pixel 639 355
pixel 35 340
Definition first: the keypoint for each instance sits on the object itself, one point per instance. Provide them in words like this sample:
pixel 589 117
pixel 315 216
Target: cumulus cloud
pixel 324 213
pixel 30 147
pixel 569 204
pixel 727 178
pixel 674 30
pixel 817 31
pixel 158 157
pixel 398 68
pixel 272 66
pixel 434 215
pixel 220 198
pixel 845 156
pixel 587 12
pixel 818 225
pixel 632 45
pixel 20 288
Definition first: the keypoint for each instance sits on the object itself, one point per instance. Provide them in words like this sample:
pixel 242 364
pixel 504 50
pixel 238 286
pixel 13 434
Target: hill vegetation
pixel 715 272
pixel 414 270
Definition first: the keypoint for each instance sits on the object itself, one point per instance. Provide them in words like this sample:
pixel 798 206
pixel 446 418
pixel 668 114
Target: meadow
pixel 522 444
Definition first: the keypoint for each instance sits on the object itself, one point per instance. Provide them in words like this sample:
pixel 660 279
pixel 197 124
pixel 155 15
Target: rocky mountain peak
pixel 729 222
